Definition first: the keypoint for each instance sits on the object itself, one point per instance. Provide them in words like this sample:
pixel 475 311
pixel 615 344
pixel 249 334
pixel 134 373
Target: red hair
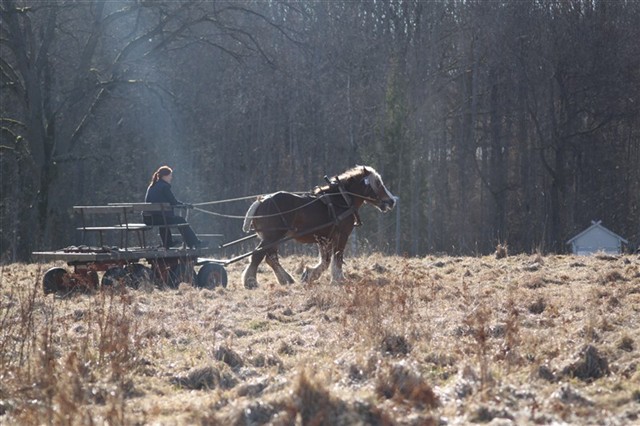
pixel 162 171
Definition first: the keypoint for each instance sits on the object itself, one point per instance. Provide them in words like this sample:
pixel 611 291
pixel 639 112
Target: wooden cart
pixel 123 264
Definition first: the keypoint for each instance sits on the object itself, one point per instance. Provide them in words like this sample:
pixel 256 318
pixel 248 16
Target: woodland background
pixel 511 122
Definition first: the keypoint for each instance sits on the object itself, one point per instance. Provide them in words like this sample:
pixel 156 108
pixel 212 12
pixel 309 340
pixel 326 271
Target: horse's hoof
pixel 338 280
pixel 250 284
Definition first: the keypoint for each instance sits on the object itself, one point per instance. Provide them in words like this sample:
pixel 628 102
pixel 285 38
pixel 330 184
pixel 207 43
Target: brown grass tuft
pixel 589 364
pixel 228 356
pixel 313 404
pixel 399 381
pixel 538 306
pixel 502 251
pixel 626 344
pixel 395 345
pixel 613 277
pixel 208 377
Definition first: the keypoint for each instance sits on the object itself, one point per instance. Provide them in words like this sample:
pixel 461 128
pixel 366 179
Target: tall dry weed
pixel 383 316
pixel 55 359
pixel 478 322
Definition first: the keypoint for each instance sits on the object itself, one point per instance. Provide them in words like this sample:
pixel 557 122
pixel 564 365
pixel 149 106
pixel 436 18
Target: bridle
pixel 335 182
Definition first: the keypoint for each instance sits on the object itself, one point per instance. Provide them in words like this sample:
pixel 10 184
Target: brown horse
pixel 325 216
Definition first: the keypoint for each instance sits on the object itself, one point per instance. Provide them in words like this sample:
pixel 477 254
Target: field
pixel 525 339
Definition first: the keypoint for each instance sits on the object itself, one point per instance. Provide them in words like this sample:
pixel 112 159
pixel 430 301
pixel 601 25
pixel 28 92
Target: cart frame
pixel 121 265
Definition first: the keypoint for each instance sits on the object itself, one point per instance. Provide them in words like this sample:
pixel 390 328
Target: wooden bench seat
pixel 125 214
pixel 120 227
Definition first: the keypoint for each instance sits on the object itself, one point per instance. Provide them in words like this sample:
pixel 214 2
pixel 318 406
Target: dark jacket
pixel 160 192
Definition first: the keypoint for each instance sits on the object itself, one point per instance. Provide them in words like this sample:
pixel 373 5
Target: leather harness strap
pixel 351 210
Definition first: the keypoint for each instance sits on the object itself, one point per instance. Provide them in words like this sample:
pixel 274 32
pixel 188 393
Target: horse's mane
pixel 346 177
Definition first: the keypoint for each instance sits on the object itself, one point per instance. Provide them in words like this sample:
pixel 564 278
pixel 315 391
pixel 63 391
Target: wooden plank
pixel 136 227
pixel 146 207
pixel 122 227
pixel 122 209
pixel 90 256
pixel 133 254
pixel 126 208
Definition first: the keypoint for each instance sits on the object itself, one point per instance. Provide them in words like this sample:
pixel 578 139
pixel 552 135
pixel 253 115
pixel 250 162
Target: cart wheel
pixel 113 276
pixel 53 280
pixel 211 275
pixel 180 273
pixel 136 274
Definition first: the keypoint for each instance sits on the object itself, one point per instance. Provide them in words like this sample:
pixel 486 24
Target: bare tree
pixel 62 61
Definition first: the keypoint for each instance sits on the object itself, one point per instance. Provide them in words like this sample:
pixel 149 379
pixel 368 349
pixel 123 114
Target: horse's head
pixel 368 184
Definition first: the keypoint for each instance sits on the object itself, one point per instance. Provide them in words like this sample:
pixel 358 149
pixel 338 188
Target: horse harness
pixel 326 198
pixel 351 209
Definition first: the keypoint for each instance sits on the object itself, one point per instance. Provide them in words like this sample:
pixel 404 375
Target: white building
pixel 596 238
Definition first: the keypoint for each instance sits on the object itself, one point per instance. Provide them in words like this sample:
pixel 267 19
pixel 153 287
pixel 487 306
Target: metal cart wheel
pixel 211 275
pixel 114 276
pixel 137 274
pixel 53 280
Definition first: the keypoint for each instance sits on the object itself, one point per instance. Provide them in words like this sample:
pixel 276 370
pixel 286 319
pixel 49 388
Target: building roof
pixel 594 225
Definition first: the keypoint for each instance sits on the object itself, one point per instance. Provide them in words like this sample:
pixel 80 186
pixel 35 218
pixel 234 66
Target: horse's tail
pixel 248 218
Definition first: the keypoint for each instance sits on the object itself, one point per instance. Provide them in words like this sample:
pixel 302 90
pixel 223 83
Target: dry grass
pixel 437 340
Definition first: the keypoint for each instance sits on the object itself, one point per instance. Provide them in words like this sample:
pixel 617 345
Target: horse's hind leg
pixel 311 274
pixel 249 274
pixel 273 261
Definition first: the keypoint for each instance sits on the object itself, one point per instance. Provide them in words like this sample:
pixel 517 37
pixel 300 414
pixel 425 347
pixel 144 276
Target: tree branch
pixel 104 86
pixel 47 39
pixel 265 19
pixel 12 78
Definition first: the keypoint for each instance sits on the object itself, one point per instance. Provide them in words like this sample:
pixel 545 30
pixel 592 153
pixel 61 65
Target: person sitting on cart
pixel 159 191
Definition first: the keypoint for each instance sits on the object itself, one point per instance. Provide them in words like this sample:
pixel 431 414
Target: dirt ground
pixel 525 339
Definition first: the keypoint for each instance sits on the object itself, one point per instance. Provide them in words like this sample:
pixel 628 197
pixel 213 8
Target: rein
pixel 196 206
pixel 230 216
pixel 363 197
pixel 254 217
pixel 230 200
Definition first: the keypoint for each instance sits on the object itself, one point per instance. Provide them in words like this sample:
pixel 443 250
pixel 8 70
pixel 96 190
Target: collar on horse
pixel 351 209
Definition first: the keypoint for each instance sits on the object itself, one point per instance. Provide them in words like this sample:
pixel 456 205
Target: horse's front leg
pixel 281 274
pixel 311 274
pixel 337 260
pixel 249 274
pixel 337 275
